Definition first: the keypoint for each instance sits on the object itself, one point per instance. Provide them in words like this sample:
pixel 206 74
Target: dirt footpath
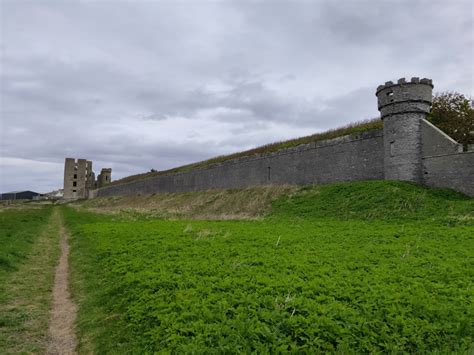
pixel 63 312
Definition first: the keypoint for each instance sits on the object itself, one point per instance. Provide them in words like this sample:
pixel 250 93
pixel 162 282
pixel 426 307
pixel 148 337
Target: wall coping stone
pixel 447 154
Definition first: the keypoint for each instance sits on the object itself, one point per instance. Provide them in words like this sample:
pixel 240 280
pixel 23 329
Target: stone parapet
pixel 414 96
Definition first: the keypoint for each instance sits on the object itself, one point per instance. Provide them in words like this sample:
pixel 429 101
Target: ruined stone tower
pixel 78 178
pixel 105 177
pixel 402 108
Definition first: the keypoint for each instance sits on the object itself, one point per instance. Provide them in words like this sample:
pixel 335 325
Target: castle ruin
pixel 79 179
pixel 408 148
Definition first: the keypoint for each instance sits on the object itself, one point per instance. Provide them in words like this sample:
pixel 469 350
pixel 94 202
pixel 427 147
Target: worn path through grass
pixel 30 322
pixel 63 311
pixel 26 294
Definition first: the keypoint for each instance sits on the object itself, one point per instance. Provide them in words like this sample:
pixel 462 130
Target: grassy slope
pixel 249 203
pixel 374 266
pixel 353 128
pixel 389 201
pixel 28 254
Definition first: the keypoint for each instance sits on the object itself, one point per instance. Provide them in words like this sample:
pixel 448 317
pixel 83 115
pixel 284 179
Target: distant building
pixel 20 195
pixel 79 178
pixel 54 195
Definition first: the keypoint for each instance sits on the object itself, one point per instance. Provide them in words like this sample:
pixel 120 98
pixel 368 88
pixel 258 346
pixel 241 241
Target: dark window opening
pixel 75 176
pixel 392 148
pixel 269 173
pixel 73 190
pixel 106 178
pixel 390 95
pixel 74 183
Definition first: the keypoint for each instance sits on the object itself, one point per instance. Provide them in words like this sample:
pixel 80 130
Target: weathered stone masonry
pixel 408 148
pixel 79 179
pixel 356 157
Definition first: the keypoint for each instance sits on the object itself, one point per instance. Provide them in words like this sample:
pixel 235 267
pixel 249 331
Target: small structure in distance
pixel 20 195
pixel 79 178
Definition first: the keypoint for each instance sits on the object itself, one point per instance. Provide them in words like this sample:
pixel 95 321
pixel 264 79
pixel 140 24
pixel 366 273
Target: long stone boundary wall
pixel 408 148
pixel 455 171
pixel 348 158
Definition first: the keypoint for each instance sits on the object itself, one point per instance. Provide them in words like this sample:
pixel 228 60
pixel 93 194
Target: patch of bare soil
pixel 63 312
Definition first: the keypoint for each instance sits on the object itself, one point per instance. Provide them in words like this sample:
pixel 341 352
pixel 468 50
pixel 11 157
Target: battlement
pixel 414 96
pixel 403 81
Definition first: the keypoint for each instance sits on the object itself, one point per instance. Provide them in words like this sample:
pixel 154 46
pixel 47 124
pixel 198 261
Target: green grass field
pixel 29 252
pixel 350 268
pixel 18 231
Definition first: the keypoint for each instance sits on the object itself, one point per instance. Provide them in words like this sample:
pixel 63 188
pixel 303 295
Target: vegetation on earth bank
pixel 362 267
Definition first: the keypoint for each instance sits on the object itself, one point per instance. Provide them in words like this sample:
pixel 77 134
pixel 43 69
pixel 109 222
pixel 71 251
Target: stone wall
pixel 348 158
pixel 402 107
pixel 69 172
pixel 408 148
pixel 81 173
pixel 435 142
pixel 78 178
pixel 104 178
pixel 402 147
pixel 455 171
pixel 444 163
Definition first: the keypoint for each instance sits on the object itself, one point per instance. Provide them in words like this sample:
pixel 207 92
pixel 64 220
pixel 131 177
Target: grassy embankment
pixel 28 255
pixel 248 203
pixel 361 267
pixel 353 128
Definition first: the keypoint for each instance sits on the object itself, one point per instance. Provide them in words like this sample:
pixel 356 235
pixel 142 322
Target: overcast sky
pixel 135 85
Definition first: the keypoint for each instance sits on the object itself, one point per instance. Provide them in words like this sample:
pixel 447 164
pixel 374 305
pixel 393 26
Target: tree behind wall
pixel 452 113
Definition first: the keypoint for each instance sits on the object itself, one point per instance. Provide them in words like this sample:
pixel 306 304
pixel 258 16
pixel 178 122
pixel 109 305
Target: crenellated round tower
pixel 402 107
